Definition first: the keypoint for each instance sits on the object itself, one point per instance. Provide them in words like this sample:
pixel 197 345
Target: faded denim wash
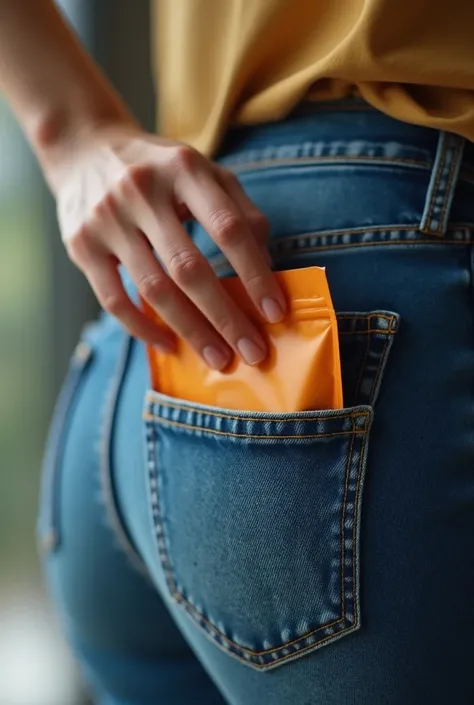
pixel 204 556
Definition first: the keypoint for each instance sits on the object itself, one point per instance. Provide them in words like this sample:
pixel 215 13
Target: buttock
pixel 320 556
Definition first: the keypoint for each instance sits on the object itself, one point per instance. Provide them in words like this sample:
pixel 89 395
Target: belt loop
pixel 443 181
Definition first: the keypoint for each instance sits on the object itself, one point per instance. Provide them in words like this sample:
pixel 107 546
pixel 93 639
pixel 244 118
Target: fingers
pixel 106 283
pixel 141 211
pixel 226 224
pixel 170 302
pixel 190 274
pixel 258 223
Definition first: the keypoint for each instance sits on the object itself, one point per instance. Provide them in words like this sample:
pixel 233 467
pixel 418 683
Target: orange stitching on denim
pixel 383 331
pixel 202 429
pixel 342 618
pixel 343 521
pixel 182 407
pixel 452 171
pixel 350 627
pixel 179 597
pixel 167 569
pixel 257 165
pixel 302 651
pixel 354 531
pixel 364 317
pixel 439 174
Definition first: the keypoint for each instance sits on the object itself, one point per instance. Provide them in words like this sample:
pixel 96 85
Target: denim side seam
pixel 114 520
pixel 350 617
pixel 48 529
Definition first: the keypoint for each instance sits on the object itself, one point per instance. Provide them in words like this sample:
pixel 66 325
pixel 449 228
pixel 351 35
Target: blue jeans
pixel 204 556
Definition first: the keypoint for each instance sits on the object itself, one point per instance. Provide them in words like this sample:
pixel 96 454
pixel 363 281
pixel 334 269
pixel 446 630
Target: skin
pixel 122 194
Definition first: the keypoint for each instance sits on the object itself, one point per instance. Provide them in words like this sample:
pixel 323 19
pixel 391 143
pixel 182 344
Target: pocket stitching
pixel 229 434
pixel 350 595
pixel 208 627
pixel 243 417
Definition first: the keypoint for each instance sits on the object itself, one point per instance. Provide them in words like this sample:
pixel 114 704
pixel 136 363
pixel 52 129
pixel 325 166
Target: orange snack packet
pixel 302 370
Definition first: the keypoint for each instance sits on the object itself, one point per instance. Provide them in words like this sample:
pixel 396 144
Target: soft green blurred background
pixel 43 305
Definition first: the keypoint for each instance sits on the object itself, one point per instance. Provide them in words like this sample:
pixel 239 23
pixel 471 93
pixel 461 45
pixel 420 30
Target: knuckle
pixel 153 287
pixel 224 323
pixel 186 268
pixel 79 243
pixel 227 226
pixel 138 178
pixel 114 303
pixel 184 158
pixel 106 208
pixel 254 281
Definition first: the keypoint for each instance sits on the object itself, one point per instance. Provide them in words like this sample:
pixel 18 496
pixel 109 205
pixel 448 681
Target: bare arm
pixel 122 195
pixel 49 80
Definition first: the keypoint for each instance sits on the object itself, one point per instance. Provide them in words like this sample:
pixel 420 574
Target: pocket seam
pixel 249 656
pixel 355 471
pixel 208 410
pixel 178 424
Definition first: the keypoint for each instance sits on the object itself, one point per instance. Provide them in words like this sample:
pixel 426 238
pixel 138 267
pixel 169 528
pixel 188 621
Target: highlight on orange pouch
pixel 303 368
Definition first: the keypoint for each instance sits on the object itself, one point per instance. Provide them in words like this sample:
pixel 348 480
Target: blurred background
pixel 44 303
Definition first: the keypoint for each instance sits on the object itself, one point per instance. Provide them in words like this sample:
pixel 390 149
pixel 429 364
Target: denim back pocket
pixel 257 515
pixel 48 530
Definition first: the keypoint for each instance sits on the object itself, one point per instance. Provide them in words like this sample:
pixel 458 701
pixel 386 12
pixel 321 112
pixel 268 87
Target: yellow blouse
pixel 219 62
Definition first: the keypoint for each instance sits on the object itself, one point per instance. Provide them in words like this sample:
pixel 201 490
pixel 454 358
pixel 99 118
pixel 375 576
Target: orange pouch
pixel 302 371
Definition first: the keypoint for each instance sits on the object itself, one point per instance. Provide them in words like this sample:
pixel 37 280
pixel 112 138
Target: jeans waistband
pixel 351 128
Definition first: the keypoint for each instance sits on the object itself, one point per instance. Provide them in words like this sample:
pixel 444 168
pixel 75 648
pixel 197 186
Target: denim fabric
pixel 201 555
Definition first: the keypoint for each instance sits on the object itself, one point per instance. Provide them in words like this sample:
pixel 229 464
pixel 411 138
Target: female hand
pixel 122 195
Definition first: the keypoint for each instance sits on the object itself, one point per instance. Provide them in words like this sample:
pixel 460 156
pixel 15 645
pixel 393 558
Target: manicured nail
pixel 272 310
pixel 250 351
pixel 214 357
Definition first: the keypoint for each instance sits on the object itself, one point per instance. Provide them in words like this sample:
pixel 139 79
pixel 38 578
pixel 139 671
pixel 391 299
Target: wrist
pixel 57 135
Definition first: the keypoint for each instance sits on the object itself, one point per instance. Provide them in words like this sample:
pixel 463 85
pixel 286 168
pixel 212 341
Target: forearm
pixel 51 83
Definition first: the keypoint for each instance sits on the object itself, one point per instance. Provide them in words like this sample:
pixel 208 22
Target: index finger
pixel 228 227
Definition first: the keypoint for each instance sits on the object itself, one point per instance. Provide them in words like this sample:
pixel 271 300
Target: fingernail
pixel 214 357
pixel 250 351
pixel 272 310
